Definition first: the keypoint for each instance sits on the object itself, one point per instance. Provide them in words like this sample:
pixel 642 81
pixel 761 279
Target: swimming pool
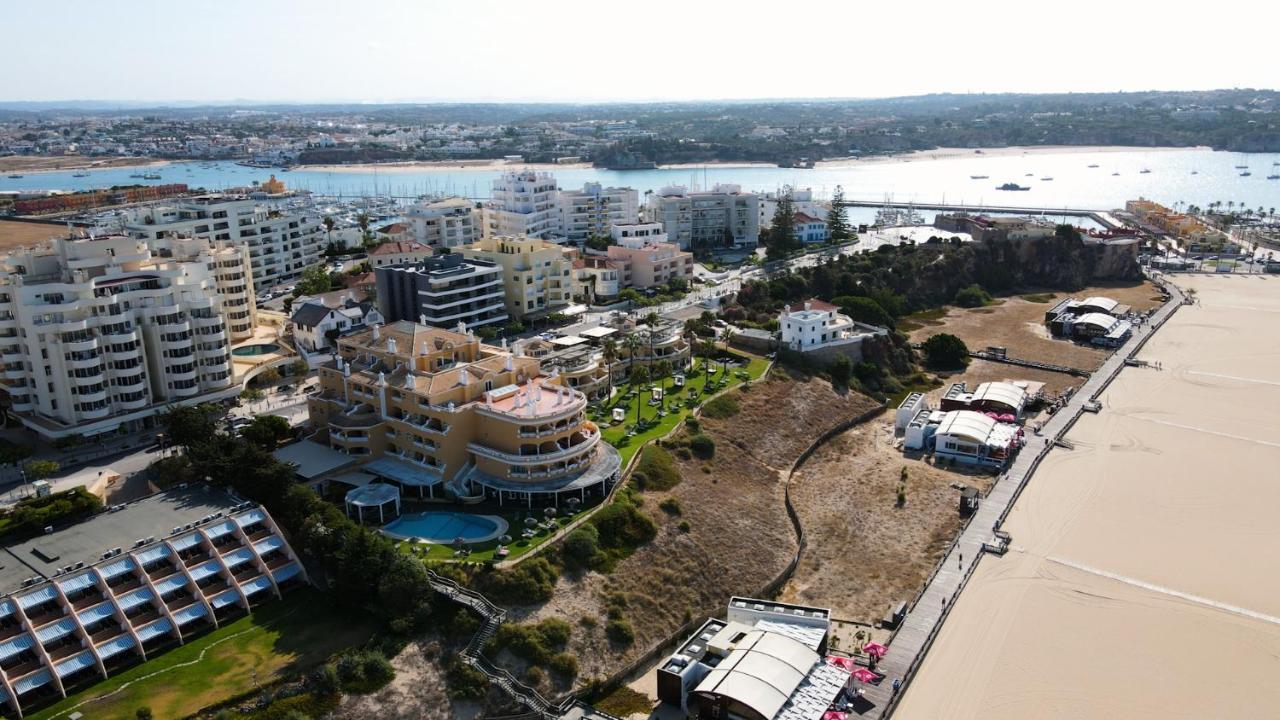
pixel 444 527
pixel 251 350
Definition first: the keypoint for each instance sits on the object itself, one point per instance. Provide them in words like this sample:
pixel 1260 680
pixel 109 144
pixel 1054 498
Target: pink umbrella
pixel 875 650
pixel 833 715
pixel 864 675
pixel 844 662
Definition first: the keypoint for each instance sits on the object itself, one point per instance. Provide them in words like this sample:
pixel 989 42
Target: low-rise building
pixel 1005 399
pixel 317 322
pixel 443 291
pixel 96 598
pixel 820 327
pixel 596 278
pixel 537 274
pixel 983 228
pixel 99 333
pixel 964 436
pixel 802 200
pixel 398 253
pixel 439 413
pixel 645 257
pixel 809 229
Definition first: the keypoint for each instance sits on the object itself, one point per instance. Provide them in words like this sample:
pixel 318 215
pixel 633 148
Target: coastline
pixel 19 163
pixel 834 163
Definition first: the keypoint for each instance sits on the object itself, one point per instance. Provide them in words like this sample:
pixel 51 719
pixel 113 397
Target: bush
pixel 11 452
pixel 671 506
pixel 581 549
pixel 623 526
pixel 972 296
pixel 693 425
pixel 564 665
pixel 684 526
pixel 29 517
pixel 725 406
pixel 863 310
pixel 840 369
pixel 363 671
pixel 656 470
pixel 532 581
pixel 465 682
pixel 620 631
pixel 945 351
pixel 535 675
pixel 535 643
pixel 143 713
pixel 703 446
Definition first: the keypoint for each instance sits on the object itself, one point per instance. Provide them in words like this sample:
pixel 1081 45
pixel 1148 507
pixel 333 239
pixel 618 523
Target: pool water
pixel 444 527
pixel 251 350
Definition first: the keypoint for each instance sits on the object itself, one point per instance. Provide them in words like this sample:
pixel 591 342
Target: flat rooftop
pixel 86 541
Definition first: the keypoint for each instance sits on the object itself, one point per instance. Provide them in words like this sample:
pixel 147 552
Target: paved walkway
pixel 916 634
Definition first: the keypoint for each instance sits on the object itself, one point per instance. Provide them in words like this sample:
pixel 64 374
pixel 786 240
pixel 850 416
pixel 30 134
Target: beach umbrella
pixel 864 675
pixel 573 502
pixel 504 539
pixel 840 661
pixel 530 521
pixel 834 715
pixel 459 541
pixel 549 512
pixel 875 650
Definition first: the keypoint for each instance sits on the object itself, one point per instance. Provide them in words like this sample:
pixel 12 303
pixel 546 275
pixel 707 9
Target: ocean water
pixel 1074 183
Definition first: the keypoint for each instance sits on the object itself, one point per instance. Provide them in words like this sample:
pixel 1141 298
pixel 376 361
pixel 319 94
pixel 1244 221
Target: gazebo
pixel 373 495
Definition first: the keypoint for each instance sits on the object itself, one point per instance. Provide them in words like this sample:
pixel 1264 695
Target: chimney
pixel 391 345
pixel 808 305
pixel 377 333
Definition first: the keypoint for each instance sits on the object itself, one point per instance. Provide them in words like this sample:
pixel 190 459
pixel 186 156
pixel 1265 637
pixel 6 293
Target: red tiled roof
pixel 803 218
pixel 815 304
pixel 399 248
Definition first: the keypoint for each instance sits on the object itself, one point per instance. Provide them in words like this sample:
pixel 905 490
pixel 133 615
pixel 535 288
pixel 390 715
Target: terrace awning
pixel 258 584
pixel 135 598
pixel 405 474
pixel 98 612
pixel 13 646
pixel 186 541
pixel 75 663
pixel 219 529
pixel 251 517
pixel 115 568
pixel 230 597
pixel 79 582
pixel 237 557
pixel 191 612
pixel 204 570
pixel 32 681
pixel 286 572
pixel 171 583
pixel 6 608
pixel 43 595
pixel 157 628
pixel 55 630
pixel 114 647
pixel 152 554
pixel 266 545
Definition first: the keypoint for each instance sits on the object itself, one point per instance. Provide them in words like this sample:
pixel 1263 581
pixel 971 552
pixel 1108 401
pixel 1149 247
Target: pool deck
pixel 500 528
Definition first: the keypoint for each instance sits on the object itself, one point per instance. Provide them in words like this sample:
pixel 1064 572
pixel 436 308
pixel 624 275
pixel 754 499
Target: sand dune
pixel 1145 576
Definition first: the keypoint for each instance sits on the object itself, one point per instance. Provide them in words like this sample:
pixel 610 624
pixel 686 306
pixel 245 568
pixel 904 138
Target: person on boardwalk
pixel 897 683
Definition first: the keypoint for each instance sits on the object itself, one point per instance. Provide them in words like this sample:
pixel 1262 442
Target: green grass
pixel 278 640
pixel 484 552
pixel 1039 297
pixel 915 321
pixel 676 404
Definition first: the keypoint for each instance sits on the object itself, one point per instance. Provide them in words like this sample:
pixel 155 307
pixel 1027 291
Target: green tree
pixel 864 310
pixel 945 351
pixel 782 231
pixel 837 218
pixel 972 296
pixel 581 547
pixel 143 713
pixel 314 280
pixel 190 424
pixel 267 431
pixel 840 369
pixel 299 368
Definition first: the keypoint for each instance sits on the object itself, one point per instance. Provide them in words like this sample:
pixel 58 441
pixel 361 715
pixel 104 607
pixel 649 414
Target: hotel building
pixel 443 291
pixel 99 333
pixel 538 274
pixel 591 211
pixel 283 236
pixel 724 215
pixel 523 203
pixel 124 586
pixel 441 414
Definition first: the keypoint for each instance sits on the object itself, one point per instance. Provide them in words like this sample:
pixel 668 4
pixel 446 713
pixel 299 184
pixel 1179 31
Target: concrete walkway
pixel 924 619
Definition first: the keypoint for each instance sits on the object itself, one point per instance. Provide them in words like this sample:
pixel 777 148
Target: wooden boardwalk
pixel 924 619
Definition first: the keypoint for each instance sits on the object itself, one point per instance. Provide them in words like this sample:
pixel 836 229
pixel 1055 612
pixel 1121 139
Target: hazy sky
pixel 385 50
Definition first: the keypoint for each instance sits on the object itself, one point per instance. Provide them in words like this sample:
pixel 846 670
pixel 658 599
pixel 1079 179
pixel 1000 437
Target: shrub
pixel 656 470
pixel 703 446
pixel 972 296
pixel 725 406
pixel 945 351
pixel 623 527
pixel 363 671
pixel 693 424
pixel 564 664
pixel 620 631
pixel 531 581
pixel 465 682
pixel 535 675
pixel 840 369
pixel 864 310
pixel 582 547
pixel 143 713
pixel 11 452
pixel 325 680
pixel 671 506
pixel 684 526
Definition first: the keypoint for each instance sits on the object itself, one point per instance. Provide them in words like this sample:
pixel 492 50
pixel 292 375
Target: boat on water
pixel 1114 174
pixel 1012 186
pixel 1242 167
pixel 80 175
pixel 1246 173
pixel 151 176
pixel 1093 166
pixel 15 177
pixel 1045 179
pixel 1144 171
pixel 1273 177
pixel 1028 175
pixel 979 177
pixel 1195 172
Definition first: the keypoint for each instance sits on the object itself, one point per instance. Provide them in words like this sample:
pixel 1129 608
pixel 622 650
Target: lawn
pixel 278 640
pixel 484 552
pixel 658 419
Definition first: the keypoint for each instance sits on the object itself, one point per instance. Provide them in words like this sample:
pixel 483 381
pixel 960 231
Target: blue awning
pixel 204 570
pixel 96 613
pixel 266 545
pixel 6 608
pixel 13 646
pixel 55 630
pixel 251 517
pixel 74 663
pixel 189 613
pixel 171 583
pixel 77 583
pixel 116 646
pixel 43 595
pixel 135 598
pixel 229 597
pixel 403 473
pixel 115 568
pixel 185 541
pixel 159 627
pixel 152 554
pixel 32 681
pixel 258 584
pixel 239 556
pixel 219 529
pixel 286 572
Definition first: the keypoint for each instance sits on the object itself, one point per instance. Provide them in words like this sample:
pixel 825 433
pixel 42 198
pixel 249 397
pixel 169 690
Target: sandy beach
pixel 493 166
pixel 971 153
pixel 61 163
pixel 1142 580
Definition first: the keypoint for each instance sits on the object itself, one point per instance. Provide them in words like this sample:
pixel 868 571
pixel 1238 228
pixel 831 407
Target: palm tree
pixel 329 224
pixel 610 355
pixel 633 344
pixel 726 337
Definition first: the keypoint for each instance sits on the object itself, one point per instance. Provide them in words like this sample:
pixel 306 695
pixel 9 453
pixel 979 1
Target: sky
pixel 587 51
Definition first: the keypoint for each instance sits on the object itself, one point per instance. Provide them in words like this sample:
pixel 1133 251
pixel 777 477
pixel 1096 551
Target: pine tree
pixel 837 219
pixel 782 232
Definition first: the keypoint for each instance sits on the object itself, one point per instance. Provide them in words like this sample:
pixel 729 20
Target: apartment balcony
pixel 185 392
pixel 95 361
pixel 587 440
pixel 17 372
pixel 132 404
pixel 124 355
pixel 88 379
pixel 89 345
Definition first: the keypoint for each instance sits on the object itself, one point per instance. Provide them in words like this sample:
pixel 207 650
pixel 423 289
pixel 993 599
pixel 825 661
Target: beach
pixel 975 154
pixel 412 166
pixel 59 163
pixel 1142 577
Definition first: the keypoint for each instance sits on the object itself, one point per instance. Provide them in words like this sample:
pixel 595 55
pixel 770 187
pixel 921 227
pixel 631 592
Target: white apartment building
pixel 283 236
pixel 99 333
pixel 591 211
pixel 721 217
pixel 449 222
pixel 802 200
pixel 523 202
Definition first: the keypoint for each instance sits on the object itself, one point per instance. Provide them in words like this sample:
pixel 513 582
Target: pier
pixel 1101 217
